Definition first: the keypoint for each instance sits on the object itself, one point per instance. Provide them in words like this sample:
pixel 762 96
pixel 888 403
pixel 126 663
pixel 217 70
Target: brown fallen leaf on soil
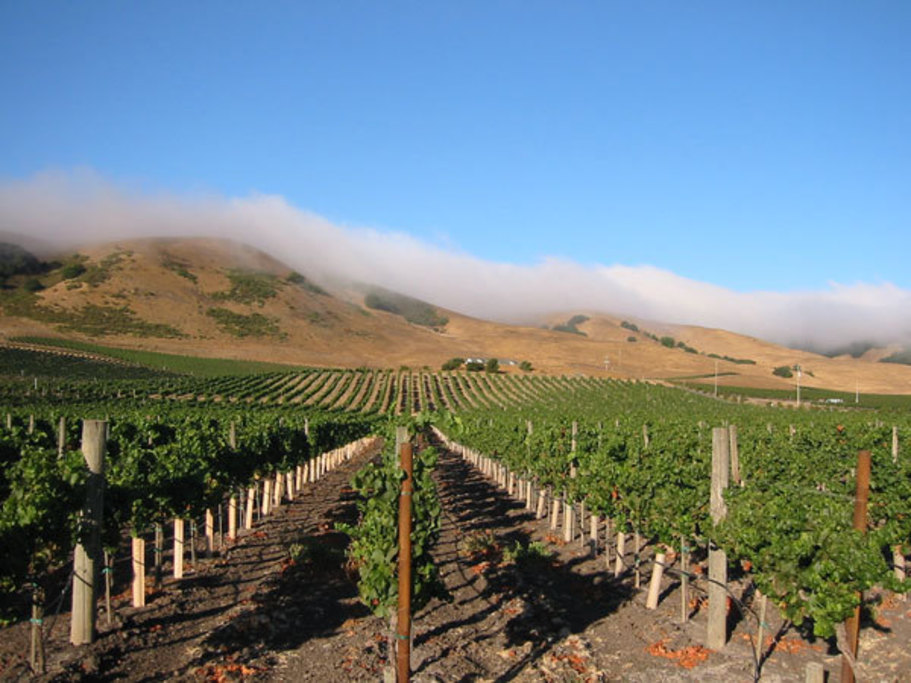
pixel 687 657
pixel 218 673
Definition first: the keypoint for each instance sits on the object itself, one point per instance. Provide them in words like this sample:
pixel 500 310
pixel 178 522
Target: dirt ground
pixel 252 613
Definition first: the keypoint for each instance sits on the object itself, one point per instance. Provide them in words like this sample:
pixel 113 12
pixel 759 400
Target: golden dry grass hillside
pixel 217 298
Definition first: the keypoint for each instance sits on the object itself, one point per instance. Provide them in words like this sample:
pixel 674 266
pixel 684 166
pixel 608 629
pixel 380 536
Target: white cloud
pixel 73 208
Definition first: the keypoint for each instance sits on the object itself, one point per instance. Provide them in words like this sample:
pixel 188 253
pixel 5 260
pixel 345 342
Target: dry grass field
pixel 178 283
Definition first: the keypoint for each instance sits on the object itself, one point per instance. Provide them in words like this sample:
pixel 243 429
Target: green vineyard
pixel 624 466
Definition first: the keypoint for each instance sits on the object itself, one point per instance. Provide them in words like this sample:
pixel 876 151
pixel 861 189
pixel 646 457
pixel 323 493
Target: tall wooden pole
pixel 403 626
pixel 88 550
pixel 852 625
pixel 718 563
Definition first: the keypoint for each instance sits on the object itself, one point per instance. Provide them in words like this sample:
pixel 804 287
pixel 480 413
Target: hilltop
pixel 217 298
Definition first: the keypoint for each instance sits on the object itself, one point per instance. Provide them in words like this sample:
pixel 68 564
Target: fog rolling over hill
pixel 71 208
pixel 220 298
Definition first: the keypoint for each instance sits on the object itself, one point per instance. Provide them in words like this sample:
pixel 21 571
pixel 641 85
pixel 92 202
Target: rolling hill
pixel 218 298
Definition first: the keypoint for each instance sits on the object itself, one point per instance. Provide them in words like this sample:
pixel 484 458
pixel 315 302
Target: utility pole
pixel 716 378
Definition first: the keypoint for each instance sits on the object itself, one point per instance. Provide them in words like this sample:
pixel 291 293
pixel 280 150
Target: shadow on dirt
pixel 501 568
pixel 311 596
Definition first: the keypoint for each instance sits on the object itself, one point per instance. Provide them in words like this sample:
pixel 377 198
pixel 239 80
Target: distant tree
pixel 453 364
pixel 72 270
pixel 492 366
pixel 783 371
pixel 33 284
pixel 525 366
pixel 669 342
pixel 14 260
pixel 632 327
pixel 474 366
pixel 631 338
pixel 577 320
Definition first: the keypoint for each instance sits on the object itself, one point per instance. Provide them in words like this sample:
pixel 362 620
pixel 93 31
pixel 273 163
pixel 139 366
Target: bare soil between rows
pixel 252 613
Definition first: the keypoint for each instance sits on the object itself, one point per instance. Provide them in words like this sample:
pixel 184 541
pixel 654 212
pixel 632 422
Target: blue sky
pixel 754 146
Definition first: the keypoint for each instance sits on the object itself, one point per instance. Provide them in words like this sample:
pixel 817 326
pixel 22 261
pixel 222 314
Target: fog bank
pixel 68 209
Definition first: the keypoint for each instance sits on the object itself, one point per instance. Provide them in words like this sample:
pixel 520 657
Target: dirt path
pixel 523 607
pixel 231 615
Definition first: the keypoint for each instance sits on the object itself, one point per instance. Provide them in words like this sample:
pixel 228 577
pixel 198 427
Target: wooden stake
pixel 158 551
pixel 554 513
pixel 593 531
pixel 403 630
pixel 210 532
pixel 815 673
pixel 178 548
pixel 139 571
pixel 569 519
pixel 232 518
pixel 621 550
pixel 718 566
pixel 36 649
pixel 852 624
pixel 61 437
pixel 267 496
pixel 654 588
pixel 684 581
pixel 764 601
pixel 108 575
pixel 735 456
pixel 82 624
pixel 251 500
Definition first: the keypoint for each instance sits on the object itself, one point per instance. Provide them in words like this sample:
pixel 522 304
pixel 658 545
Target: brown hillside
pixel 222 299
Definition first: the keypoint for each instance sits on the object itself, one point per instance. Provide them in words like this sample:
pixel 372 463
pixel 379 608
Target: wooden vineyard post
pixel 569 508
pixel 763 606
pixel 158 551
pixel 718 567
pixel 88 550
pixel 403 626
pixel 108 579
pixel 178 548
pixel 621 550
pixel 898 553
pixel 36 653
pixel 267 496
pixel 541 508
pixel 594 526
pixel 232 518
pixel 654 587
pixel 192 544
pixel 61 437
pixel 232 501
pixel 735 456
pixel 554 512
pixel 684 581
pixel 210 533
pixel 852 625
pixel 815 673
pixel 607 543
pixel 139 571
pixel 248 513
pixel 569 518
